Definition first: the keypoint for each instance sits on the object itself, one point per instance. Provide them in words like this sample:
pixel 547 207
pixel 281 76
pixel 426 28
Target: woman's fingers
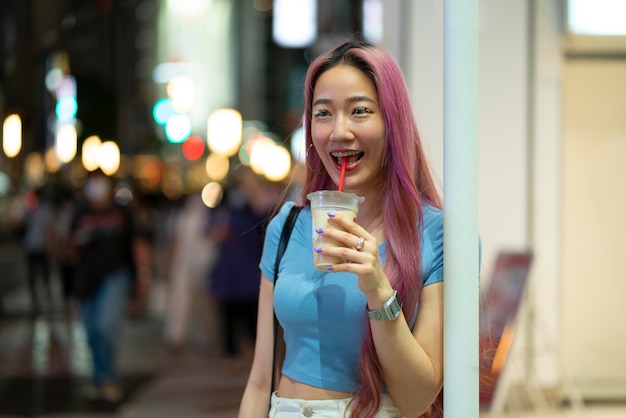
pixel 359 247
pixel 351 227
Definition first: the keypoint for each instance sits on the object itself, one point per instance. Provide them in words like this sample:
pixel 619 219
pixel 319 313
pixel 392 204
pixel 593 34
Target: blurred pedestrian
pixel 39 236
pixel 102 252
pixel 191 256
pixel 238 225
pixel 144 216
pixel 64 219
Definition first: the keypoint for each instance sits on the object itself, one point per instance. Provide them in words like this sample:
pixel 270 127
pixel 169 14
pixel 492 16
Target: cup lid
pixel 337 195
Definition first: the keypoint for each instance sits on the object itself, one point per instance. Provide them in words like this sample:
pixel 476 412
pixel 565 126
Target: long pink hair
pixel 406 182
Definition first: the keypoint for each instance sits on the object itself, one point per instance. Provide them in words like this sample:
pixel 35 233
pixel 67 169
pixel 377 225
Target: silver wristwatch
pixel 390 310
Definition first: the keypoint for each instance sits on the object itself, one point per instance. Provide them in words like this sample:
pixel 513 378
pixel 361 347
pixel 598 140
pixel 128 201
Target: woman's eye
pixel 320 113
pixel 361 110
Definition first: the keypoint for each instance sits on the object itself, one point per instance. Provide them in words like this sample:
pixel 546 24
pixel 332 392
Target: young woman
pixel 356 344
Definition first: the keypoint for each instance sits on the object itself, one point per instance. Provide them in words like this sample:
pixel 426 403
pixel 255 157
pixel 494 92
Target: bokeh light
pixel 373 21
pixel 188 8
pixel 12 135
pixel 66 143
pixel 269 159
pixel 66 108
pixel 280 164
pixel 181 89
pixel 224 129
pixel 294 24
pixel 193 148
pixel 109 158
pixel 53 79
pixel 259 149
pixel 90 150
pixel 298 145
pixel 212 194
pixel 178 128
pixel 217 167
pixel 66 87
pixel 163 110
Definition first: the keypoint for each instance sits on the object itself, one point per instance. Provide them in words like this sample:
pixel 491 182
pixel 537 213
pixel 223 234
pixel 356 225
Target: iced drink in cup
pixel 344 205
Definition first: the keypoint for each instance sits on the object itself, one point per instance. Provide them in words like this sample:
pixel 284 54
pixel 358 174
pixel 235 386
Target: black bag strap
pixel 282 246
pixel 284 237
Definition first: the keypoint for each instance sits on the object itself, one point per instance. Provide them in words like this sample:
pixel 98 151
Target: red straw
pixel 343 172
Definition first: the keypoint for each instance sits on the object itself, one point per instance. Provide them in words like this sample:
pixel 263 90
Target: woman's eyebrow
pixel 321 102
pixel 353 99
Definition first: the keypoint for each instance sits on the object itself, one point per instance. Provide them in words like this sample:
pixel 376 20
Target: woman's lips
pixel 352 158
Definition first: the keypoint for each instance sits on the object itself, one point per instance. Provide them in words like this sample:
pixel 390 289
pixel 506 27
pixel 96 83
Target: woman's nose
pixel 342 130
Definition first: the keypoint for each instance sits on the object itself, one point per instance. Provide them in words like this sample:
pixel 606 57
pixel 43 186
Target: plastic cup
pixel 344 205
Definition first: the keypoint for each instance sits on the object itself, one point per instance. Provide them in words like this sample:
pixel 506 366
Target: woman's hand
pixel 361 256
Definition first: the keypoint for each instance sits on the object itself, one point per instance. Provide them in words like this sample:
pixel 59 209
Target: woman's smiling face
pixel 346 122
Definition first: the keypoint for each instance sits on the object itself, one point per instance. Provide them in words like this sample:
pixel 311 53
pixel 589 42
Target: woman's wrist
pixel 378 298
pixel 390 311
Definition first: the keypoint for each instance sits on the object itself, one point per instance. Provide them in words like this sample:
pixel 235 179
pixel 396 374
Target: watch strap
pixel 390 310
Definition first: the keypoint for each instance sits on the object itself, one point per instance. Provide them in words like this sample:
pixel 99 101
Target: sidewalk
pixel 192 387
pixel 45 364
pixel 44 369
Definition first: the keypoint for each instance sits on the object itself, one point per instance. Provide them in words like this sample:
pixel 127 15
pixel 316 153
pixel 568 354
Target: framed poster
pixel 499 306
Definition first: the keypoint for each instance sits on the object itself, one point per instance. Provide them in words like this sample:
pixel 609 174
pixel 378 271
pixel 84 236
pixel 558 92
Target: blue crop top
pixel 323 313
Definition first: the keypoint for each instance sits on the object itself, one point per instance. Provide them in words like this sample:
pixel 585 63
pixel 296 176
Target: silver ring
pixel 360 244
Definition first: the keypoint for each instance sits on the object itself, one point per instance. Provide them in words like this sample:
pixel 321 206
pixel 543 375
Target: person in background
pixel 63 221
pixel 39 237
pixel 237 226
pixel 101 245
pixel 191 256
pixel 144 215
pixel 363 338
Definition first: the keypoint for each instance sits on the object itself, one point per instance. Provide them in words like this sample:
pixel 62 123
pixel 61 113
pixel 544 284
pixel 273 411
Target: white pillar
pixel 461 268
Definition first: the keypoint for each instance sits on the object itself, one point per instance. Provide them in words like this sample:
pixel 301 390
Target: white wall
pixel 594 226
pixel 519 152
pixel 503 173
pixel 523 180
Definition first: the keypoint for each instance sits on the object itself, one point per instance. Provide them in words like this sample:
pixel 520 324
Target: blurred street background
pixel 193 108
pixel 45 365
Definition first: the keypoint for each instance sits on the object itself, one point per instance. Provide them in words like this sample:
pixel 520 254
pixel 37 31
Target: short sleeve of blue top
pixel 322 313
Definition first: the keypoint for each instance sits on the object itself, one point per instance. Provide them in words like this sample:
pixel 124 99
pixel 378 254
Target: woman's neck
pixel 370 217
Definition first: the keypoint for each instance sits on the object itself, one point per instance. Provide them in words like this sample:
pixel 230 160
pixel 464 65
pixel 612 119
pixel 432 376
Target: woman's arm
pixel 256 397
pixel 412 363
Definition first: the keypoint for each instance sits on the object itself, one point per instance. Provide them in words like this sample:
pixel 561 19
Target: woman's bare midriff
pixel 289 388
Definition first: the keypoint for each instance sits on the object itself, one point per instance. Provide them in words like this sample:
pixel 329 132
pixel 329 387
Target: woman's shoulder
pixel 432 227
pixel 281 214
pixel 285 208
pixel 432 216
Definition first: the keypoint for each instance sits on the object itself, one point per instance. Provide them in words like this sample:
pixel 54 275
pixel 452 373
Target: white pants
pixel 328 408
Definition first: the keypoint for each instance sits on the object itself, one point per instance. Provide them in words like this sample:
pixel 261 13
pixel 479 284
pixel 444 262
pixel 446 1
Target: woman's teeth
pixel 351 156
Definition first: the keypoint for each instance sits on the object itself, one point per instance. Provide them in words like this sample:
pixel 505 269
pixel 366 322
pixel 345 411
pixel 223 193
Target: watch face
pixel 394 309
